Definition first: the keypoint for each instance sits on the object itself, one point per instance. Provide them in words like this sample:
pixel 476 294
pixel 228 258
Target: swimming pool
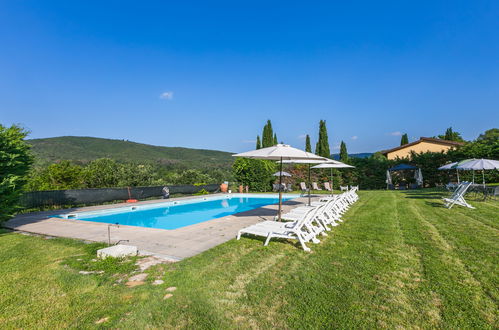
pixel 178 214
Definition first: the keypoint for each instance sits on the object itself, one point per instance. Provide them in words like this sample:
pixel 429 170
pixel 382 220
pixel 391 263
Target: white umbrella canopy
pixel 448 166
pixel 283 173
pixel 336 164
pixel 280 152
pixel 478 164
pixel 451 166
pixel 308 162
pixel 331 165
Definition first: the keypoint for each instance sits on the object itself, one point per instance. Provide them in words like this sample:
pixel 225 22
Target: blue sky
pixel 209 74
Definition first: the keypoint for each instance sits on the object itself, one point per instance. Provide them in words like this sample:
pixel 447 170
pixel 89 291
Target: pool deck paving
pixel 173 244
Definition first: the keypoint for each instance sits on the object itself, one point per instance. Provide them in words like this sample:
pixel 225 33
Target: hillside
pixel 85 149
pixel 359 155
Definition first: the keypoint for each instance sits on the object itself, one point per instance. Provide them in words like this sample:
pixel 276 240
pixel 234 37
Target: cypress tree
pixel 258 143
pixel 449 134
pixel 322 146
pixel 264 134
pixel 268 135
pixel 404 139
pixel 343 152
pixel 275 140
pixel 270 132
pixel 318 144
pixel 308 146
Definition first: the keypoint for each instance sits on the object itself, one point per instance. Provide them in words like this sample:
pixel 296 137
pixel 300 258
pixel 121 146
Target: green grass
pixel 399 260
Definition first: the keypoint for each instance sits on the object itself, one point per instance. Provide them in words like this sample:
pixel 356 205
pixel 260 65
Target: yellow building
pixel 424 144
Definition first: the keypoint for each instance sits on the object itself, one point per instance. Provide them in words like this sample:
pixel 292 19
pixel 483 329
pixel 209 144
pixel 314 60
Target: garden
pixel 400 259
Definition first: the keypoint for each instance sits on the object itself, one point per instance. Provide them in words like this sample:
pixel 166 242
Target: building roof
pixel 424 139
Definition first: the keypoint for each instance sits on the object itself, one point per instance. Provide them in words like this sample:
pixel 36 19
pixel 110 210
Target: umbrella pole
pixel 280 192
pixel 457 171
pixel 332 181
pixel 309 185
pixel 483 178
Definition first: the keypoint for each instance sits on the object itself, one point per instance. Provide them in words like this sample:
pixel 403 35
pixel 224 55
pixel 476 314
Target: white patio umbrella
pixel 450 167
pixel 280 152
pixel 418 175
pixel 283 173
pixel 477 165
pixel 308 162
pixel 331 165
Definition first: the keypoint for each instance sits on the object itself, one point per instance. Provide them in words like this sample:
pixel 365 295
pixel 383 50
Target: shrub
pixel 63 175
pixel 193 176
pixel 255 173
pixel 15 163
pixel 202 192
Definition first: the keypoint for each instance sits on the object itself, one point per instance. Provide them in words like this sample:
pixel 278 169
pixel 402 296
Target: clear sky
pixel 208 74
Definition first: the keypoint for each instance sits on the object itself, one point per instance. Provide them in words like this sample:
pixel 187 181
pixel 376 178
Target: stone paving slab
pixel 174 244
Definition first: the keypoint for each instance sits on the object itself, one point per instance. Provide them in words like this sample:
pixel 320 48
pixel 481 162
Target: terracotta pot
pixel 240 189
pixel 224 187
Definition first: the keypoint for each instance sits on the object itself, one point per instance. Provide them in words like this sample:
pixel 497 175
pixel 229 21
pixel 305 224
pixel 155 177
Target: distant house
pixel 424 144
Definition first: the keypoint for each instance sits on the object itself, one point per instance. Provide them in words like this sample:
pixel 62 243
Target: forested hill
pixel 84 149
pixel 359 155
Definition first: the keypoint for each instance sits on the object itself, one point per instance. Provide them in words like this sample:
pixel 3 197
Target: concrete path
pixel 174 244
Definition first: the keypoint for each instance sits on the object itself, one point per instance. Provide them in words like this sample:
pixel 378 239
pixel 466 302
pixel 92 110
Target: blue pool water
pixel 183 213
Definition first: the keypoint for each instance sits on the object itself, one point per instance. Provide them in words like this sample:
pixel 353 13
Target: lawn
pixel 399 260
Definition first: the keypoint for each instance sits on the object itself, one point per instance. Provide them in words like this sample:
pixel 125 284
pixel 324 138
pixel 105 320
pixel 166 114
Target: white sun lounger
pixel 315 186
pixel 303 188
pixel 334 207
pixel 303 230
pixel 320 216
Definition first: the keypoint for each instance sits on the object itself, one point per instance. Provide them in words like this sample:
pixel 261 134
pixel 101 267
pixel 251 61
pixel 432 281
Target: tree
pixel 255 173
pixel 308 146
pixel 451 135
pixel 322 146
pixel 102 173
pixel 268 135
pixel 485 146
pixel 193 176
pixel 404 139
pixel 62 175
pixel 15 163
pixel 343 152
pixel 133 175
pixel 490 136
pixel 275 140
pixel 370 172
pixel 258 143
pixel 264 136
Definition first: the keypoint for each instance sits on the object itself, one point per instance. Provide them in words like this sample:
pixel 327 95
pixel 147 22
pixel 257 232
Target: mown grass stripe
pixel 467 302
